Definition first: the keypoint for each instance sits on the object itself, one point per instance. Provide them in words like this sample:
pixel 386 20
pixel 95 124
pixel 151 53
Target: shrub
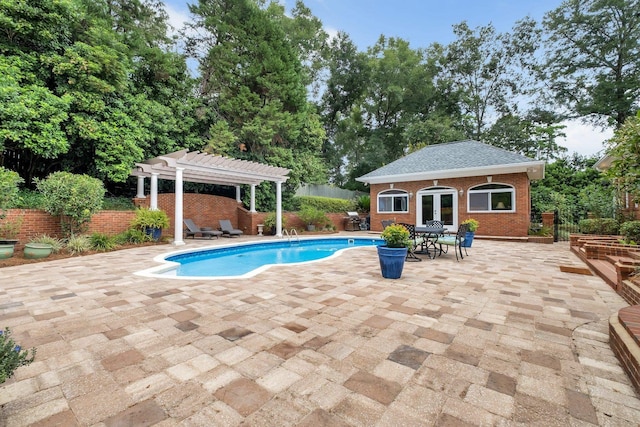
pixel 75 198
pixel 587 226
pixel 608 226
pixel 598 226
pixel 631 231
pixel 78 243
pixel 12 356
pixel 311 215
pixel 9 181
pixel 56 244
pixel 147 218
pixel 363 203
pixel 132 235
pixel 9 229
pixel 102 242
pixel 270 221
pixel 543 231
pixel 29 199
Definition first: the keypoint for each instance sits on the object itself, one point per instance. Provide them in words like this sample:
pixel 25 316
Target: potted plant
pixel 393 253
pixel 42 246
pixel 472 226
pixel 151 221
pixel 270 222
pixel 313 217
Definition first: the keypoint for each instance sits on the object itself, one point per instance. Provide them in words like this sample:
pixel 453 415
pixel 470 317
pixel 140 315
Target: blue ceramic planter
pixel 391 261
pixel 155 233
pixel 468 239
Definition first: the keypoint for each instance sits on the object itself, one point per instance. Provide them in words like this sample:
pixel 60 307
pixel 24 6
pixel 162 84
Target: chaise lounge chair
pixel 228 230
pixel 193 229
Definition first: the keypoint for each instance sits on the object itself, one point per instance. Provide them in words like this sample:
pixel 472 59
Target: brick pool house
pixel 454 181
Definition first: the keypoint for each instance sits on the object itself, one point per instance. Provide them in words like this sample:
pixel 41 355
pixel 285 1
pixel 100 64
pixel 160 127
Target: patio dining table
pixel 430 239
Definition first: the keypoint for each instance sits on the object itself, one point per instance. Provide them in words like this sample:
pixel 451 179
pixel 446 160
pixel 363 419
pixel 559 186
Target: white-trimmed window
pixel 492 198
pixel 390 201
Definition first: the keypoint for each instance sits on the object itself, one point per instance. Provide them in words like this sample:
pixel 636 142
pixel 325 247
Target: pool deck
pixel 502 337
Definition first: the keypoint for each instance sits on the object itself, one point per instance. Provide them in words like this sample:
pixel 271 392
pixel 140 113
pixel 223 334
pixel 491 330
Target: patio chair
pixel 228 230
pixel 415 242
pixel 386 223
pixel 454 240
pixel 193 229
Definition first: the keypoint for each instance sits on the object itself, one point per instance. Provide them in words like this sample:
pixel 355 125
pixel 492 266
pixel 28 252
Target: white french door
pixel 439 205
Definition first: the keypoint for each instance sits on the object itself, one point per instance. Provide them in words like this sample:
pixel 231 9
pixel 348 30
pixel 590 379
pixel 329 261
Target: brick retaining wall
pixel 204 209
pixel 623 339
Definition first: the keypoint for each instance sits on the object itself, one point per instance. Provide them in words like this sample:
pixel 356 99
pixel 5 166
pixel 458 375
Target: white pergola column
pixel 252 204
pixel 178 213
pixel 140 192
pixel 153 201
pixel 278 208
pixel 238 199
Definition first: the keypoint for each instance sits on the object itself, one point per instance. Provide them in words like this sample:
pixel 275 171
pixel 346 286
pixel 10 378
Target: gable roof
pixel 455 160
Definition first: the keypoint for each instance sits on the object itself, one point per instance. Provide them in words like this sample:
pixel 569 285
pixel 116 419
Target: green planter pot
pixel 6 250
pixel 37 250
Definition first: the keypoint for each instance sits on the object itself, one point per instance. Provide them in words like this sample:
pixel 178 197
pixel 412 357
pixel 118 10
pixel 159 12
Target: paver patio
pixel 500 338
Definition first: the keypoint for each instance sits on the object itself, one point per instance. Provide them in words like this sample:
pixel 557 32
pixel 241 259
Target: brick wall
pixel 204 209
pixel 630 291
pixel 513 224
pixel 625 344
pixel 36 222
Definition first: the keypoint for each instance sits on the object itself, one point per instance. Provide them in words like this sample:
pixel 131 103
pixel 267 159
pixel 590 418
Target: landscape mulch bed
pixel 19 259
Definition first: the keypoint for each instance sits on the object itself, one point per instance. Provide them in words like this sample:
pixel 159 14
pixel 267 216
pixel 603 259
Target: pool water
pixel 248 259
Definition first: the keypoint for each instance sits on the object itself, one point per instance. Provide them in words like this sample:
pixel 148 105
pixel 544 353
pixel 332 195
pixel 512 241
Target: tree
pixel 348 75
pixel 307 37
pixel 624 148
pixel 593 59
pixel 486 70
pixel 96 95
pixel 253 85
pixel 566 184
pixel 74 198
pixel 533 136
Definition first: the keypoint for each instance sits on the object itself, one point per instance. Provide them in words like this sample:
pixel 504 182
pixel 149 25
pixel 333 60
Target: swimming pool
pixel 248 259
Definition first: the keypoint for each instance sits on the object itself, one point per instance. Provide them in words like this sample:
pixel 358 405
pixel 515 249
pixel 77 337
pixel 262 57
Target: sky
pixel 421 23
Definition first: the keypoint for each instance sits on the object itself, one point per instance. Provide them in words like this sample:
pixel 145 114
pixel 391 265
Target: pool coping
pixel 163 271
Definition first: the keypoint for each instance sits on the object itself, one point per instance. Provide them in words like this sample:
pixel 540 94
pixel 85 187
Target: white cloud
pixel 177 17
pixel 332 32
pixel 584 139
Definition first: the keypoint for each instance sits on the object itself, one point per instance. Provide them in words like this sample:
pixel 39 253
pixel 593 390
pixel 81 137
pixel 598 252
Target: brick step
pixel 623 339
pixel 623 260
pixel 605 270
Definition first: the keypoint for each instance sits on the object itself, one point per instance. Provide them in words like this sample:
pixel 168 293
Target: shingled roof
pixel 455 160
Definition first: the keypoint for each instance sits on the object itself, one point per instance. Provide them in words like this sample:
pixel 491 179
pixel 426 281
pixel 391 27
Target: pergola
pixel 206 168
